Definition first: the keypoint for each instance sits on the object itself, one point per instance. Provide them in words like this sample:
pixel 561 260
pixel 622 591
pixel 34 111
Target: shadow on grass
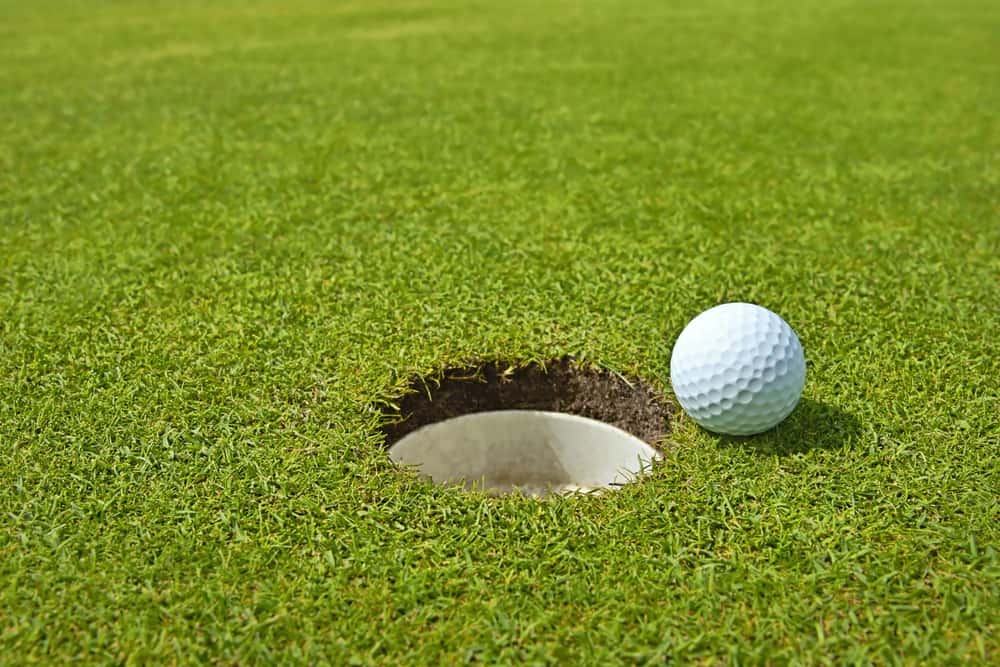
pixel 812 425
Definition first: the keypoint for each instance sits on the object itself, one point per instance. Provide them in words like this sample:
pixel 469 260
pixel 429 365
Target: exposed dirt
pixel 630 404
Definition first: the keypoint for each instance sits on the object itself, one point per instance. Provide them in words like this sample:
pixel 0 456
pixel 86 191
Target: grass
pixel 230 229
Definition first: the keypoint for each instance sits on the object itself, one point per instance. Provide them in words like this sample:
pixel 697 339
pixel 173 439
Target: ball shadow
pixel 812 425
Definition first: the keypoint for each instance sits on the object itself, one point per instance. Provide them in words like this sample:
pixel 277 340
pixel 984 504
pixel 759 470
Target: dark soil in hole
pixel 633 405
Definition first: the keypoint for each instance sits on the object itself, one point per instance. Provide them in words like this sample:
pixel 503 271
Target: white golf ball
pixel 738 369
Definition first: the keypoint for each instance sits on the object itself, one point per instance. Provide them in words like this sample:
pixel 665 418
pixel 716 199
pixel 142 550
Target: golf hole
pixel 536 430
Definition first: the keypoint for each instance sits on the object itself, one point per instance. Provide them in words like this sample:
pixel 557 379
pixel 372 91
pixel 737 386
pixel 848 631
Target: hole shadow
pixel 560 385
pixel 812 425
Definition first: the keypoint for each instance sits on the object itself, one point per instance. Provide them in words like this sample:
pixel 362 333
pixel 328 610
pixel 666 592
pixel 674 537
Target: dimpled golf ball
pixel 738 369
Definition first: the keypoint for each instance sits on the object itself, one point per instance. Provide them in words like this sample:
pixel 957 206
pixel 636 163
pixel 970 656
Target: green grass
pixel 229 230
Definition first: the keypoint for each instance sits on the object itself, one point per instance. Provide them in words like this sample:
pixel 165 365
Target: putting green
pixel 232 231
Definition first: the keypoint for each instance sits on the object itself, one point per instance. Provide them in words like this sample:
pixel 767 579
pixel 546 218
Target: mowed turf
pixel 230 231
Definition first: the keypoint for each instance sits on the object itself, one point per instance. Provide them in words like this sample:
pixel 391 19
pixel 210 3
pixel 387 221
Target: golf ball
pixel 738 369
